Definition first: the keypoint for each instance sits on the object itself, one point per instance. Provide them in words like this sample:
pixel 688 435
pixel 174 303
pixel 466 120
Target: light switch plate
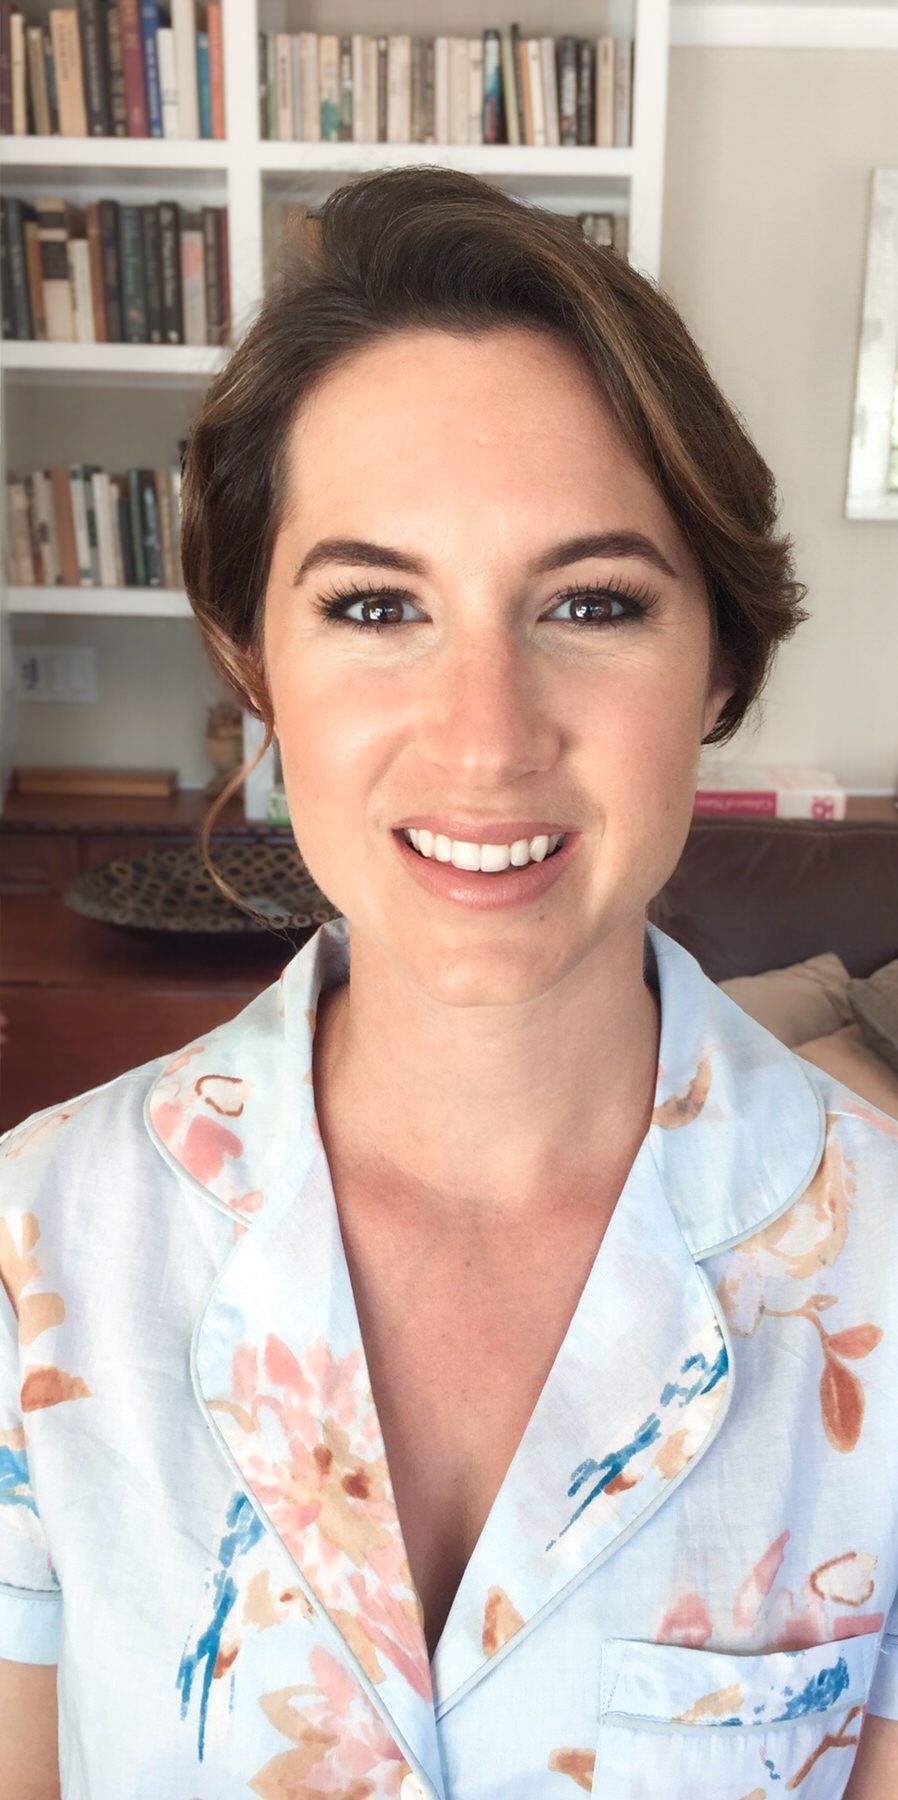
pixel 54 672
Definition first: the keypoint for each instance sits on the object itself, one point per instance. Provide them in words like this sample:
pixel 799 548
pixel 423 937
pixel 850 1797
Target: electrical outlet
pixel 54 672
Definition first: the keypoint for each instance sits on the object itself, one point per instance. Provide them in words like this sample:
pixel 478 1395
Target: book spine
pixel 152 263
pixel 52 84
pixel 492 87
pixel 8 315
pixel 34 552
pixel 567 89
pixel 550 90
pixel 262 63
pixel 20 107
pixel 346 90
pixel 166 528
pixel 295 84
pixel 37 78
pixel 780 803
pixel 79 514
pixel 43 508
pixel 65 526
pixel 134 307
pixel 111 268
pixel 474 61
pixel 441 89
pixel 52 232
pixel 33 271
pixel 309 101
pixel 123 508
pixel 78 252
pixel 96 75
pixel 605 93
pixel 6 8
pixel 69 74
pixel 149 513
pixel 95 251
pixel 18 269
pixel 88 471
pixel 216 68
pixel 113 502
pixel 132 68
pixel 329 72
pixel 136 512
pixel 214 322
pixel 192 280
pixel 203 84
pixel 183 18
pixel 535 85
pixel 102 503
pixel 586 90
pixel 379 86
pixel 283 52
pixel 172 297
pixel 623 83
pixel 224 270
pixel 117 103
pixel 458 90
pixel 168 80
pixel 150 21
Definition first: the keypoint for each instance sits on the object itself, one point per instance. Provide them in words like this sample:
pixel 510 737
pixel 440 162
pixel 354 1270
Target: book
pixel 767 790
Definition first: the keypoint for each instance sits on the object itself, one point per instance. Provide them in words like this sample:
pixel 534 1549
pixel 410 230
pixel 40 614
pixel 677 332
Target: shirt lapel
pixel 640 1386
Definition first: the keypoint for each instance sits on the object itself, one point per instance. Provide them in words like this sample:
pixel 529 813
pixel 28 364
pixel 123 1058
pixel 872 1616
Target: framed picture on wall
pixel 873 463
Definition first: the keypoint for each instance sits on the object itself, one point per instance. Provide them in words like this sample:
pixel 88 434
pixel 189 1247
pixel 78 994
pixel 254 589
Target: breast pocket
pixel 676 1723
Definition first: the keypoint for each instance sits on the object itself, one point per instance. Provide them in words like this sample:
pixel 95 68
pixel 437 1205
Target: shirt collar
pixel 234 1111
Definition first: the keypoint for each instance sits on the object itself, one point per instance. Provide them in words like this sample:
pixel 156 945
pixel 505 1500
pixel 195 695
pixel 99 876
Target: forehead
pixel 423 421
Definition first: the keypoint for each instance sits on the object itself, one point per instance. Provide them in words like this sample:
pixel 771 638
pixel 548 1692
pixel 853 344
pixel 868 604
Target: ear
pixel 717 696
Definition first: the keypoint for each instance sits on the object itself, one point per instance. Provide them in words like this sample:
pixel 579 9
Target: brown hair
pixel 427 246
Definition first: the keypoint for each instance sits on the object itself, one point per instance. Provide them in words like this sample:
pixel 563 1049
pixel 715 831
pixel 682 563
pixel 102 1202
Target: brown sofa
pixel 798 922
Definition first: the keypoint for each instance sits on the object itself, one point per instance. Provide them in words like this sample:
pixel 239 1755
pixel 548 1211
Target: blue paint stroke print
pixel 15 1484
pixel 818 1693
pixel 613 1464
pixel 244 1530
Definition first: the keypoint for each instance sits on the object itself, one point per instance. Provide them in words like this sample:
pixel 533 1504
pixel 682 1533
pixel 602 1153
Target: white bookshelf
pixel 247 172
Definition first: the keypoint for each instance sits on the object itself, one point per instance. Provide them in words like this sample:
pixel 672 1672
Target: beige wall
pixel 769 154
pixel 769 160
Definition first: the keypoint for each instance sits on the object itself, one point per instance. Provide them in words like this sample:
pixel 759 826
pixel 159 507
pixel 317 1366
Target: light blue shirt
pixel 687 1582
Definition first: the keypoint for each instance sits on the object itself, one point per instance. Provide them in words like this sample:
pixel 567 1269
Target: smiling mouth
pixel 483 859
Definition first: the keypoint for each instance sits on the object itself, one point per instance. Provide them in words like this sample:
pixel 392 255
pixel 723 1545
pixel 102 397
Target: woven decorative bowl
pixel 170 890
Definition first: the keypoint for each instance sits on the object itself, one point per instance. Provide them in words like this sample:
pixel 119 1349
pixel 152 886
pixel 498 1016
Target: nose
pixel 489 715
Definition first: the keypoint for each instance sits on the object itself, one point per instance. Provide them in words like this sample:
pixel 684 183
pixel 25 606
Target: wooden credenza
pixel 81 1000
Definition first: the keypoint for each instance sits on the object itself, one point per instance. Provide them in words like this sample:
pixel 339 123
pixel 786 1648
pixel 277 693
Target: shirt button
pixel 412 1789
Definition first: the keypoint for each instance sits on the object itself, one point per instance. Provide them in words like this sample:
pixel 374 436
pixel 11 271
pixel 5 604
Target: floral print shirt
pixel 687 1581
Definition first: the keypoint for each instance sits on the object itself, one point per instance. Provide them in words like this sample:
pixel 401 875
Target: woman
pixel 418 1380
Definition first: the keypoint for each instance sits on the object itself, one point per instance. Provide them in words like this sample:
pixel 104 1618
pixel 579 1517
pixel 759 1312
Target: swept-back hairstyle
pixel 430 247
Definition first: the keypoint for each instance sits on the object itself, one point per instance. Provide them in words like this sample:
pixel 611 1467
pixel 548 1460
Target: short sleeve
pixel 30 1594
pixel 884 1687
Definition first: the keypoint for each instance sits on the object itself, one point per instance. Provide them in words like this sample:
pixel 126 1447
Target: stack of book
pixel 767 790
pixel 114 273
pixel 114 68
pixel 495 88
pixel 80 526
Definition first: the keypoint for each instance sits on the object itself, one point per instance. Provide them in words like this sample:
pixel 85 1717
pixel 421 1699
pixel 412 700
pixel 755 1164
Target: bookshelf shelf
pixel 112 153
pixel 35 360
pixel 108 603
pixel 490 159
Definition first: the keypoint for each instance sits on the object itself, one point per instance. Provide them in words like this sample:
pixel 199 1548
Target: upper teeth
pixel 489 857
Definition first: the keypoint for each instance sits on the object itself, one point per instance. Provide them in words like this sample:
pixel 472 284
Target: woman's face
pixel 486 694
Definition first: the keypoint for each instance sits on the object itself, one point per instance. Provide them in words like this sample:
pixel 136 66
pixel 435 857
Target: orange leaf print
pixel 48 1386
pixel 857 1340
pixel 580 1765
pixel 501 1621
pixel 842 1404
pixel 681 1109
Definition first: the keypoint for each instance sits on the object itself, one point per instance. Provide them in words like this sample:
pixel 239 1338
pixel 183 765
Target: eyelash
pixel 638 602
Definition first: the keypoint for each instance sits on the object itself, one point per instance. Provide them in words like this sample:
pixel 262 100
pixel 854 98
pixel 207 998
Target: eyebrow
pixel 618 544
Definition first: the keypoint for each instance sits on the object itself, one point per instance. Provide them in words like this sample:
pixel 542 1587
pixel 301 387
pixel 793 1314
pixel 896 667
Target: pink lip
pixel 485 892
pixel 486 831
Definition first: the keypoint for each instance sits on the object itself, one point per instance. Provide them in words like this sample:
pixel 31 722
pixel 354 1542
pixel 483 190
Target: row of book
pixel 766 790
pixel 112 272
pixel 114 68
pixel 78 525
pixel 494 88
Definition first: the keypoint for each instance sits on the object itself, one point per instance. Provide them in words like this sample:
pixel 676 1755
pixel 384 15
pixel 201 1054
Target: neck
pixel 513 1110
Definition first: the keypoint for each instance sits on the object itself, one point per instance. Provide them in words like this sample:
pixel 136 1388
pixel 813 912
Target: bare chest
pixel 459 1340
